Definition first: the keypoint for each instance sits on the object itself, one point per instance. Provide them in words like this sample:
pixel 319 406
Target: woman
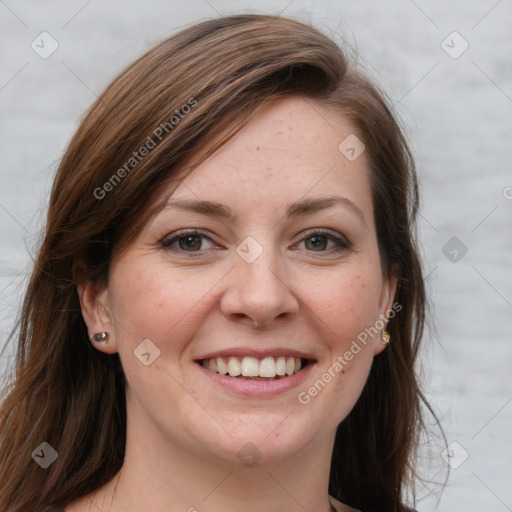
pixel 228 302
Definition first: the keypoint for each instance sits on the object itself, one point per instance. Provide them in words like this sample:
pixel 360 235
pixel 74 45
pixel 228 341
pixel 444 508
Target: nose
pixel 258 293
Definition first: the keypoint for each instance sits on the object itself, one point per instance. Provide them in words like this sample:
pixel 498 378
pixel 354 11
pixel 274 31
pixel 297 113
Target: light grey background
pixel 457 112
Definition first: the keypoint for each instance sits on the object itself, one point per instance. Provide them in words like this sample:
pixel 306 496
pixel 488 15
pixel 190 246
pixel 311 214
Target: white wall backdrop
pixel 447 66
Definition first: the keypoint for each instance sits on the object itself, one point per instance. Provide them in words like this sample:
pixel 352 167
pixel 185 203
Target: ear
pixel 387 297
pixel 94 303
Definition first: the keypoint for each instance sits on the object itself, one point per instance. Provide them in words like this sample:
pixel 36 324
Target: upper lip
pixel 257 353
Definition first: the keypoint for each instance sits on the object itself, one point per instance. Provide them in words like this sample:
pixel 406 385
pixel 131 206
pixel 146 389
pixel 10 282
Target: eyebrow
pixel 321 203
pixel 296 209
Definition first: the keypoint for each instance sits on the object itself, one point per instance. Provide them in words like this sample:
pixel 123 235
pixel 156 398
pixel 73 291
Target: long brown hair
pixel 65 392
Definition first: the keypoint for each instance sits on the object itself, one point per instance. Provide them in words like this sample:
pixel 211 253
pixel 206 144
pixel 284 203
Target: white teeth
pixel 250 367
pixel 281 366
pixel 290 365
pixel 234 367
pixel 267 367
pixel 222 367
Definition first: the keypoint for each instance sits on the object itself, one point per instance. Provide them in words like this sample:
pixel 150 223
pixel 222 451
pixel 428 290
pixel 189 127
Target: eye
pixel 188 241
pixel 323 241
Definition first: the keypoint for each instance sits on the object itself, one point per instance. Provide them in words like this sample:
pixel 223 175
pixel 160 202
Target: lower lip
pixel 258 388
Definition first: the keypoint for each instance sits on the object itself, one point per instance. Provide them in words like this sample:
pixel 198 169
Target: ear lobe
pixel 95 309
pixel 388 291
pixel 386 301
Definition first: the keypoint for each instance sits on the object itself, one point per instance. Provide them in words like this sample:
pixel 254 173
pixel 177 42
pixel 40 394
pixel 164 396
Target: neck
pixel 159 475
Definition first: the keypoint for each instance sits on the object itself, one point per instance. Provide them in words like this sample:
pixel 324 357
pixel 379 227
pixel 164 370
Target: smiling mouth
pixel 253 368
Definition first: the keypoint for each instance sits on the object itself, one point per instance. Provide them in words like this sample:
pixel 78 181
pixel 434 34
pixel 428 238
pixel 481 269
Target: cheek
pixel 345 307
pixel 155 301
pixel 346 302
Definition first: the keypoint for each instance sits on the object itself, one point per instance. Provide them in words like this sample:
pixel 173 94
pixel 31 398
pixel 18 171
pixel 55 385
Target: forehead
pixel 289 150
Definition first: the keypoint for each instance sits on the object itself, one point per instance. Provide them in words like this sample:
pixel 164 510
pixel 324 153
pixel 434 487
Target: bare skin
pixel 315 285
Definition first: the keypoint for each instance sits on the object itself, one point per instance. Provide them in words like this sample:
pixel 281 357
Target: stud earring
pixel 100 337
pixel 385 337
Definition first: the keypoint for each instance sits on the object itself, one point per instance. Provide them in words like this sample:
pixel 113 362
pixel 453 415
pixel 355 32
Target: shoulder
pixel 339 507
pixel 78 505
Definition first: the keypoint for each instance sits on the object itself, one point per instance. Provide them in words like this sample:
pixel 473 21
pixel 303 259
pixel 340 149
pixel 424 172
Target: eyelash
pixel 342 243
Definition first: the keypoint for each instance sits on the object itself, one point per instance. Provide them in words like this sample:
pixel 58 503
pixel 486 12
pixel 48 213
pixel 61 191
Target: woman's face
pixel 266 257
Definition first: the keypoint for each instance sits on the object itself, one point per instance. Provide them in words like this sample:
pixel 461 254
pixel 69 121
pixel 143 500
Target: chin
pixel 268 441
